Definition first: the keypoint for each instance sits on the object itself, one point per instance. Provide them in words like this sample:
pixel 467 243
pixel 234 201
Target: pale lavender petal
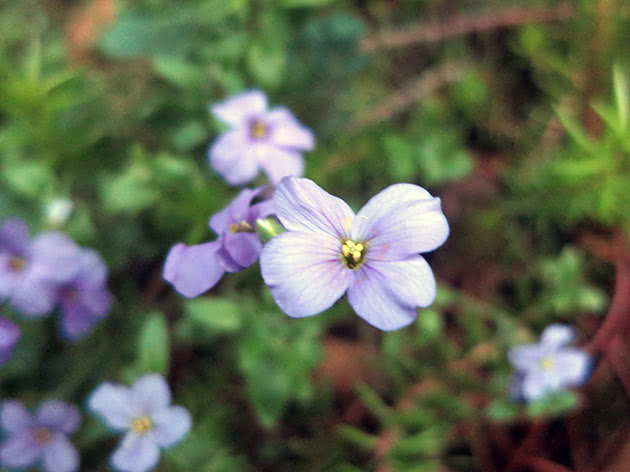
pixel 171 425
pixel 400 221
pixel 19 450
pixel 58 416
pixel 193 269
pixel 301 205
pixel 526 356
pixel 232 157
pixel 9 278
pixel 557 335
pixel 572 366
pixel 82 311
pixel 535 385
pixel 386 294
pixel 136 453
pixel 278 163
pixel 34 297
pixel 15 417
pixel 304 272
pixel 262 210
pixel 9 336
pixel 113 403
pixel 240 109
pixel 59 455
pixel 93 271
pixel 55 257
pixel 287 132
pixel 225 259
pixel 14 236
pixel 243 247
pixel 150 394
pixel 235 212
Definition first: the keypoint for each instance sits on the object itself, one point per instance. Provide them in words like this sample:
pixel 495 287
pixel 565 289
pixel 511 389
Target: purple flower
pixel 84 299
pixel 39 438
pixel 9 336
pixel 271 140
pixel 194 269
pixel 30 271
pixel 549 365
pixel 373 255
pixel 144 414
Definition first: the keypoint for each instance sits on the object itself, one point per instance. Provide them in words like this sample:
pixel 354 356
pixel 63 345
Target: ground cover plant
pixel 340 235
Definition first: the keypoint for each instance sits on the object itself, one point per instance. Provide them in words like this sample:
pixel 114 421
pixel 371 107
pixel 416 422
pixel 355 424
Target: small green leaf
pixel 154 344
pixel 502 409
pixel 219 315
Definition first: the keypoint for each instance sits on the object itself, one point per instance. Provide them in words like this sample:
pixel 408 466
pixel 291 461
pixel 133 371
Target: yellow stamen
pixel 42 435
pixel 547 363
pixel 242 227
pixel 142 425
pixel 258 130
pixel 353 254
pixel 17 263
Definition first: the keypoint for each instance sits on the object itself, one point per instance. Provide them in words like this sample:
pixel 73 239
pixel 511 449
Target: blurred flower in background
pixel 9 336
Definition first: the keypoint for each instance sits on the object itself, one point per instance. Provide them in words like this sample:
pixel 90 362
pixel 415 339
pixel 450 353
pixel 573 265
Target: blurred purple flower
pixel 271 140
pixel 31 271
pixel 549 365
pixel 9 336
pixel 144 414
pixel 194 269
pixel 373 255
pixel 41 438
pixel 84 299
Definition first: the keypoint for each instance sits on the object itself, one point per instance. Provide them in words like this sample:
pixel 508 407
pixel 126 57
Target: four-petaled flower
pixel 9 336
pixel 271 140
pixel 549 365
pixel 144 413
pixel 194 269
pixel 374 255
pixel 41 437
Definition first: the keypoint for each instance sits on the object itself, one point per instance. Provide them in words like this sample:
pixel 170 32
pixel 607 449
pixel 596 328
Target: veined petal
pixel 193 269
pixel 572 366
pixel 400 221
pixel 244 248
pixel 150 394
pixel 58 416
pixel 136 453
pixel 113 403
pixel 304 272
pixel 171 425
pixel 286 131
pixel 557 335
pixel 277 162
pixel 15 417
pixel 19 450
pixel 238 110
pixel 59 455
pixel 386 294
pixel 301 205
pixel 231 156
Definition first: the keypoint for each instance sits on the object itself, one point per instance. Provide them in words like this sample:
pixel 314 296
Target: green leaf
pixel 304 3
pixel 154 344
pixel 622 95
pixel 553 404
pixel 29 178
pixel 502 409
pixel 219 315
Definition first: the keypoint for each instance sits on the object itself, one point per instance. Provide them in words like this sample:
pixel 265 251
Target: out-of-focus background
pixel 516 114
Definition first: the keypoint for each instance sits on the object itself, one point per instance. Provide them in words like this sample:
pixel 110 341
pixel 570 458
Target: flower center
pixel 353 254
pixel 546 363
pixel 70 293
pixel 17 264
pixel 142 425
pixel 258 130
pixel 242 227
pixel 42 435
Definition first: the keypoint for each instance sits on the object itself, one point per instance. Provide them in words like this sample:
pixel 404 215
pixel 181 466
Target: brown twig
pixel 462 25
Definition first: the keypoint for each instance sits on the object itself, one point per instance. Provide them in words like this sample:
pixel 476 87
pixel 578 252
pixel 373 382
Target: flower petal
pixel 14 236
pixel 136 453
pixel 171 425
pixel 287 132
pixel 238 110
pixel 277 162
pixel 535 385
pixel 235 212
pixel 386 294
pixel 193 269
pixel 244 248
pixel 9 336
pixel 60 455
pixel 113 403
pixel 400 221
pixel 301 205
pixel 15 417
pixel 80 314
pixel 572 366
pixel 232 157
pixel 19 450
pixel 34 297
pixel 55 257
pixel 150 394
pixel 557 335
pixel 304 272
pixel 526 356
pixel 58 416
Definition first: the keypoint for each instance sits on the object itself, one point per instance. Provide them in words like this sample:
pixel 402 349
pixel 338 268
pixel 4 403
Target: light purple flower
pixel 40 438
pixel 30 271
pixel 194 269
pixel 373 255
pixel 271 140
pixel 549 365
pixel 9 336
pixel 144 414
pixel 84 300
